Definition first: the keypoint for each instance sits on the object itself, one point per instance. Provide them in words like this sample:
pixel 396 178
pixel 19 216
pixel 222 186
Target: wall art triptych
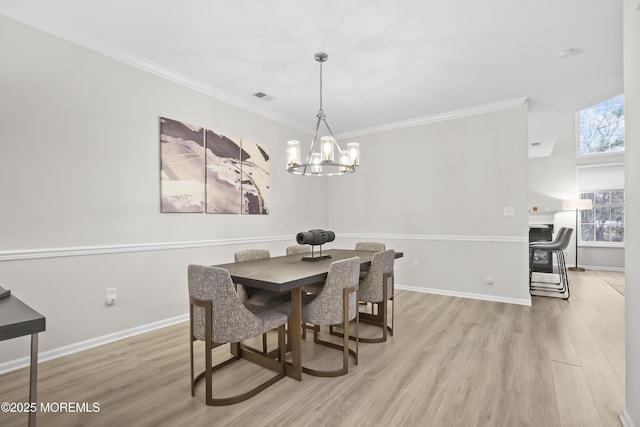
pixel 203 171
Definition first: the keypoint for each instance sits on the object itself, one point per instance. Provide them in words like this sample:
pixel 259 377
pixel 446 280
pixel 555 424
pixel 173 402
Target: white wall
pixel 631 416
pixel 79 149
pixel 79 153
pixel 437 192
pixel 553 179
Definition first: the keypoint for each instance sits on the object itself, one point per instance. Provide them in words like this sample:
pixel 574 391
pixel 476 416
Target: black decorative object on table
pixel 314 238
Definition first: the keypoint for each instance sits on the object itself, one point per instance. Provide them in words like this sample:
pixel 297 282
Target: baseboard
pixel 626 420
pixel 598 267
pixel 55 353
pixel 481 297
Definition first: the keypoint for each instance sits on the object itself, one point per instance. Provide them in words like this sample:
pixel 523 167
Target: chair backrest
pixel 560 233
pixel 564 240
pixel 327 307
pixel 231 321
pixel 298 249
pixel 251 254
pixel 554 241
pixel 370 246
pixel 371 285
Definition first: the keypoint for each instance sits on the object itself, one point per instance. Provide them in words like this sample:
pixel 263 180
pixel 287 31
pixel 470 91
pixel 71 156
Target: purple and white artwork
pixel 182 157
pixel 223 173
pixel 204 171
pixel 255 178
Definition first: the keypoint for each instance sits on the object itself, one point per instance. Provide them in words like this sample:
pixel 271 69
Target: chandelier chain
pixel 321 86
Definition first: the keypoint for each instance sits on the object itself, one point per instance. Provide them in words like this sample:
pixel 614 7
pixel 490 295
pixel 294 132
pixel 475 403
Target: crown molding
pixel 441 117
pixel 33 19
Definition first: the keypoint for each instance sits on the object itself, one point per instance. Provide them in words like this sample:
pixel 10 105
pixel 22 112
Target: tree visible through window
pixel 602 127
pixel 605 221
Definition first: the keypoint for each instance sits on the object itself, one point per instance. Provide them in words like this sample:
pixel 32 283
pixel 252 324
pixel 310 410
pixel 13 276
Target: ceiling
pixel 390 63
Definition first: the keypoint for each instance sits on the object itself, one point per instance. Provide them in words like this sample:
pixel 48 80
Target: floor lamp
pixel 578 205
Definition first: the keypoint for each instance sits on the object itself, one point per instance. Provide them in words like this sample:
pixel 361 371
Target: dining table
pixel 291 273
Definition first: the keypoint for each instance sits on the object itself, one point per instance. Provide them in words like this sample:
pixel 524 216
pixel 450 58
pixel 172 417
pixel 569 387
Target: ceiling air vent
pixel 263 96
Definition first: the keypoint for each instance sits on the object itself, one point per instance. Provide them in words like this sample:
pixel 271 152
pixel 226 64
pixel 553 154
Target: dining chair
pixel 370 246
pixel 537 281
pixel 313 288
pixel 335 304
pixel 255 296
pixel 216 317
pixel 376 288
pixel 298 249
pixel 259 297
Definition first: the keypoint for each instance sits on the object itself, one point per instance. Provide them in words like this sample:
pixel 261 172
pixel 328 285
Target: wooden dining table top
pixel 288 272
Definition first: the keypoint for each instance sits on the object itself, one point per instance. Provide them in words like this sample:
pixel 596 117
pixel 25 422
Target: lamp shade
pixel 579 204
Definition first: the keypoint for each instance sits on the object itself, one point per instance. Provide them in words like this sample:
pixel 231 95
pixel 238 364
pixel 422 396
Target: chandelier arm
pixel 313 144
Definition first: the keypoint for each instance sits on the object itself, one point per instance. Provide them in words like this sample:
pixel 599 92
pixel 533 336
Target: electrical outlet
pixel 509 211
pixel 112 296
pixel 416 263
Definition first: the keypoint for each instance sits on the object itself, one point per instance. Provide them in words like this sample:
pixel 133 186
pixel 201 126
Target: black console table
pixel 18 319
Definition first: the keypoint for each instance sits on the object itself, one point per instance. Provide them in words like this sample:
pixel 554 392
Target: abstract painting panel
pixel 255 178
pixel 182 173
pixel 223 173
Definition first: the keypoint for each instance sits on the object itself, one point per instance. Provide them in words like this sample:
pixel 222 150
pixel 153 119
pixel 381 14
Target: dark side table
pixel 18 319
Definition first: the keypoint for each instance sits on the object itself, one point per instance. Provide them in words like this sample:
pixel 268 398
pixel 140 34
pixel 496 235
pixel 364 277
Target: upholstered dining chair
pixel 337 303
pixel 376 288
pixel 217 316
pixel 255 296
pixel 259 297
pixel 298 249
pixel 314 288
pixel 370 246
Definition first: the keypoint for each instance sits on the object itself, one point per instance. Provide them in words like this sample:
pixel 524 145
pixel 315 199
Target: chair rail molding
pixel 436 237
pixel 27 254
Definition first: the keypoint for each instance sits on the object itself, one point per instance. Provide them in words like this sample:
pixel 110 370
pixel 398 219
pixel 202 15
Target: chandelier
pixel 325 158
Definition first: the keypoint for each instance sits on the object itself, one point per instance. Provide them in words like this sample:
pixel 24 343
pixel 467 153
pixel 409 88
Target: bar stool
pixel 543 284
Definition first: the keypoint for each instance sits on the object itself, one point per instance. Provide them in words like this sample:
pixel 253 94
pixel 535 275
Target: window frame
pixel 599 243
pixel 602 154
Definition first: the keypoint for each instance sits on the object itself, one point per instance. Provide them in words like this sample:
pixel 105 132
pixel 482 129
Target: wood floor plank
pixel 601 378
pixel 576 403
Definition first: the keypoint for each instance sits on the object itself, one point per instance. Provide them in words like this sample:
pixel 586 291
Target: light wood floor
pixel 451 362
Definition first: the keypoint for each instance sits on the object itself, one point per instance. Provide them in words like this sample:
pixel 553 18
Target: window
pixel 602 127
pixel 604 223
